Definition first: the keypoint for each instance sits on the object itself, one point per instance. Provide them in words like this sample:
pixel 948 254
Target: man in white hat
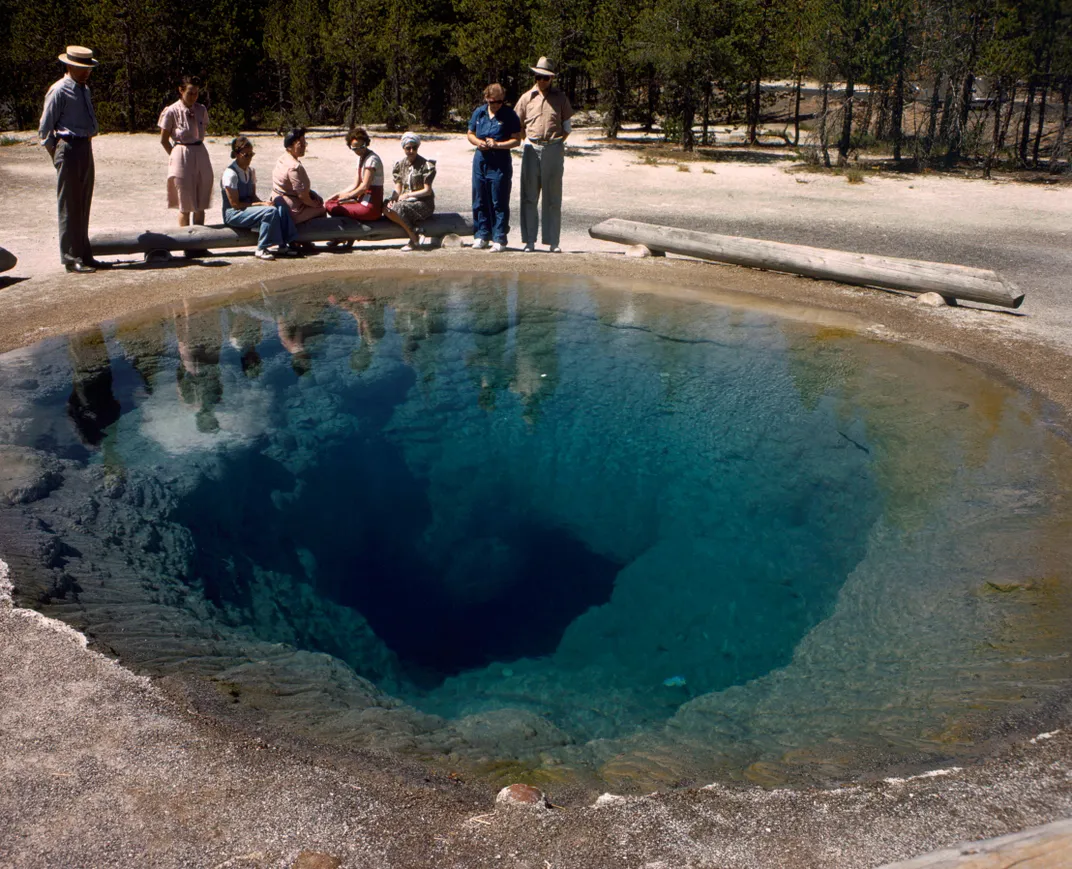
pixel 68 124
pixel 545 114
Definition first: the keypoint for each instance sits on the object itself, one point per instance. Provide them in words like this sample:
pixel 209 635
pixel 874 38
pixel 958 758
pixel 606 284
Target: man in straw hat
pixel 545 114
pixel 68 125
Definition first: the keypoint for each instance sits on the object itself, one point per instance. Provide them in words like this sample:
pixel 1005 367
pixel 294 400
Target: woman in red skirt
pixel 364 200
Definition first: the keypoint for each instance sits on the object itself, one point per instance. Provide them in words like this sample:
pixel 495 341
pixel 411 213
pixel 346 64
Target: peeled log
pixel 861 269
pixel 318 229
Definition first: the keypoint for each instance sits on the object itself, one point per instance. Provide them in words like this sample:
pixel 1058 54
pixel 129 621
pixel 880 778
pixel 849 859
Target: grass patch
pixel 6 141
pixel 707 170
pixel 854 176
pixel 682 167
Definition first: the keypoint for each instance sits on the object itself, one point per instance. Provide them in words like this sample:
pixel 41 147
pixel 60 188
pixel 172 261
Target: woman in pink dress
pixel 290 181
pixel 183 125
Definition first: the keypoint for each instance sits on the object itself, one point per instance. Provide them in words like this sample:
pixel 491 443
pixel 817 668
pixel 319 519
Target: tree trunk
pixel 706 112
pixel 1057 152
pixel 128 60
pixel 897 119
pixel 932 124
pixel 845 142
pixel 1025 130
pixel 688 116
pixel 956 139
pixel 796 113
pixel 996 138
pixel 1041 124
pixel 653 100
pixel 353 93
pixel 824 137
pixel 1008 117
pixel 753 110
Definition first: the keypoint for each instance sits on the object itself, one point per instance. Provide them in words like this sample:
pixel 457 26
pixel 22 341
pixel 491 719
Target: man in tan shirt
pixel 545 114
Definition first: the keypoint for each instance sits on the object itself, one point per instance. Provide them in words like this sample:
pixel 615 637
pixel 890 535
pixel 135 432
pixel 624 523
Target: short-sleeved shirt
pixel 289 177
pixel 235 173
pixel 185 125
pixel 413 176
pixel 504 125
pixel 373 162
pixel 542 117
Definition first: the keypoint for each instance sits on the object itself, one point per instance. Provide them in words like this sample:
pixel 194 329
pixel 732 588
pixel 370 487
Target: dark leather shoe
pixel 81 268
pixel 97 264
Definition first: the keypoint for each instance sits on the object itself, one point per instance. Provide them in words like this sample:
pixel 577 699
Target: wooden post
pixel 318 229
pixel 860 269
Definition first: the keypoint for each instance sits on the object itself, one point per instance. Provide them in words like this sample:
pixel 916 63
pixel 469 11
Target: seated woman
pixel 290 181
pixel 363 200
pixel 413 199
pixel 243 210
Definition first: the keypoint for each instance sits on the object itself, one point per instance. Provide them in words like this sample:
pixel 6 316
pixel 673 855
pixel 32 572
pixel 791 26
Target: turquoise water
pixel 567 526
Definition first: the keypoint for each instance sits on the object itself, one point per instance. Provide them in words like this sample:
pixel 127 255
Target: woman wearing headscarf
pixel 413 199
pixel 243 210
pixel 494 129
pixel 290 181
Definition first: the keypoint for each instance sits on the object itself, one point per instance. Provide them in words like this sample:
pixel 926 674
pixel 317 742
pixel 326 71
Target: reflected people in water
pixel 92 405
pixel 197 376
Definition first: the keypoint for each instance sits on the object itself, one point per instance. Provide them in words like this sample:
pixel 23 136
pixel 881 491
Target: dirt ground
pixel 103 768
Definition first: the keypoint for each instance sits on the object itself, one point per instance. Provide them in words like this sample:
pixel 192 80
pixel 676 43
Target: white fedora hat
pixel 78 55
pixel 544 67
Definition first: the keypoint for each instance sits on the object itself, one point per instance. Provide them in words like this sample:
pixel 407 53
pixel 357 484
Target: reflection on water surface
pixel 548 530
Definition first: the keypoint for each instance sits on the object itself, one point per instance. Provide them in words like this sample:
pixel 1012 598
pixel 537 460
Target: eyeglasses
pixel 358 145
pixel 494 102
pixel 543 78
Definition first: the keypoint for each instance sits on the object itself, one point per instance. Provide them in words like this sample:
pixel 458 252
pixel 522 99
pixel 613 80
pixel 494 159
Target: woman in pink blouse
pixel 183 126
pixel 290 181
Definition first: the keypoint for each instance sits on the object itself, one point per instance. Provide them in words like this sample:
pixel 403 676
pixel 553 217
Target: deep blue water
pixel 588 505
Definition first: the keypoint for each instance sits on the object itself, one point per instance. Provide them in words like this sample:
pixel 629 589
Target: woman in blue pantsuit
pixel 243 210
pixel 494 129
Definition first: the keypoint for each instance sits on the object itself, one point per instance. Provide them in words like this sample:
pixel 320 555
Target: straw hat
pixel 544 67
pixel 78 55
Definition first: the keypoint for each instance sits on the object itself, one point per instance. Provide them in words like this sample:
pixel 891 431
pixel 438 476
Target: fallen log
pixel 318 229
pixel 860 269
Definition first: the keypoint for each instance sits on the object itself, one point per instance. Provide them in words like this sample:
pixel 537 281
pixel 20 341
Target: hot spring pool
pixel 549 529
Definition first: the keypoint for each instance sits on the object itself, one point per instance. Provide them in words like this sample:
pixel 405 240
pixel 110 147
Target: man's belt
pixel 189 144
pixel 544 140
pixel 71 137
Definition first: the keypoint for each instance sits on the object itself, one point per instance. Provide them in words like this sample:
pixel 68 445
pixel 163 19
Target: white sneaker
pixel 555 249
pixel 480 244
pixel 530 246
pixel 264 253
pixel 497 247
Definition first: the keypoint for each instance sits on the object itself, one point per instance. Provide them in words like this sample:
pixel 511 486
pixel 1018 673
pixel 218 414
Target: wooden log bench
pixel 860 269
pixel 156 242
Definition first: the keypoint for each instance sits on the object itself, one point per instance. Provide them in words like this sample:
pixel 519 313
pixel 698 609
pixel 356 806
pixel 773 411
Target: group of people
pixel 541 120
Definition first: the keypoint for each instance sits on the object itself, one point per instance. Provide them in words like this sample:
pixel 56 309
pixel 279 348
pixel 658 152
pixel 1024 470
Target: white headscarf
pixel 411 139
